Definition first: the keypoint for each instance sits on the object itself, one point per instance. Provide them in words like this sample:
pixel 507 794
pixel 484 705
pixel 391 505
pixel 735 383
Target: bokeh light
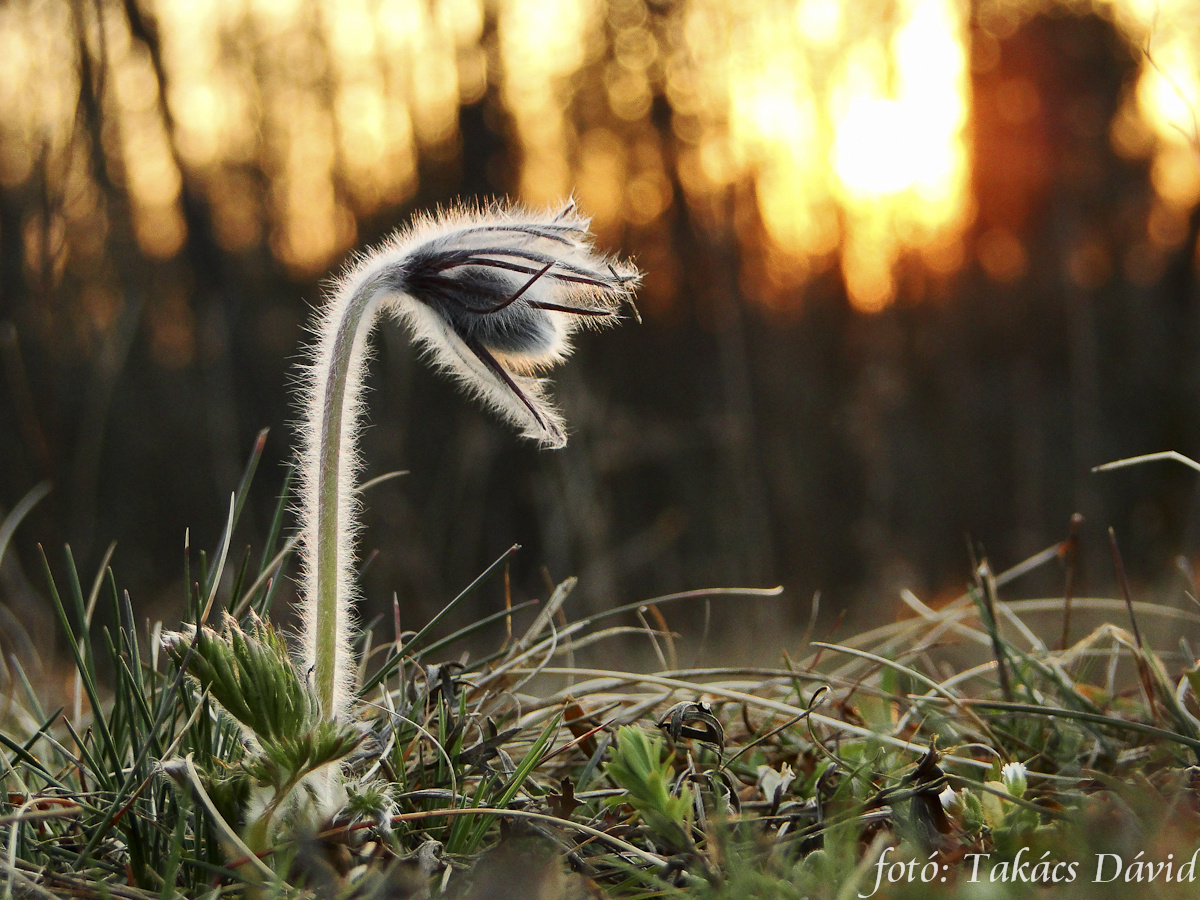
pixel 826 134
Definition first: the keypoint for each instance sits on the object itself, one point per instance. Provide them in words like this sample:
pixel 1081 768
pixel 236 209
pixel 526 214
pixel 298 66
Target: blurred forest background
pixel 913 268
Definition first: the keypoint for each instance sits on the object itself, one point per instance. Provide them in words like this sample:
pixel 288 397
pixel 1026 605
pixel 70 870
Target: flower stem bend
pixel 493 296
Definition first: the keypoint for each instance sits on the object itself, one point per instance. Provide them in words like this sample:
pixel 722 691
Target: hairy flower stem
pixel 330 522
pixel 493 295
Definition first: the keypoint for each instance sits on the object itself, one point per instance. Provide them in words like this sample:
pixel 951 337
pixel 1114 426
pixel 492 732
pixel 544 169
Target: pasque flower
pixel 493 296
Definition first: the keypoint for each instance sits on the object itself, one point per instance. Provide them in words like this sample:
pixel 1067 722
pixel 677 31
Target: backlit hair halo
pixel 492 295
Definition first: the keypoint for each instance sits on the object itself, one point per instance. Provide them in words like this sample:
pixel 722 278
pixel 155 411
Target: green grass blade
pixel 32 703
pixel 100 774
pixel 212 579
pixel 1109 721
pixel 238 581
pixel 531 760
pixel 80 646
pixel 461 837
pixel 520 776
pixel 175 857
pixel 464 633
pixel 281 508
pixel 237 503
pixel 919 677
pixel 416 642
pixel 22 752
pixel 83 620
pixel 9 526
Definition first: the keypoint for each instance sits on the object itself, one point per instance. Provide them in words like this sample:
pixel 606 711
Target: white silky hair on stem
pixel 492 295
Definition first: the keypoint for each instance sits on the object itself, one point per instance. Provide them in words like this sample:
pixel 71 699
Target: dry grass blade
pixel 1148 457
pixel 937 687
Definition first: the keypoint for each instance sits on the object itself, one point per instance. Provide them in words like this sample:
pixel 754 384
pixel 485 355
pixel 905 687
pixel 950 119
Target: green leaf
pixel 639 769
pixel 251 675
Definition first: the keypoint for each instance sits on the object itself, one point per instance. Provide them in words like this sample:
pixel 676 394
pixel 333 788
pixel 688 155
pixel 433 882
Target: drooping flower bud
pixel 493 296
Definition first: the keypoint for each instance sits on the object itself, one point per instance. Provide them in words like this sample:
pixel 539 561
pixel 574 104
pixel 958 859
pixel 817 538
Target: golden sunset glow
pixel 900 156
pixel 845 129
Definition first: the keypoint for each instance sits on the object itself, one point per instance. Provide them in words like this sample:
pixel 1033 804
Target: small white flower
pixel 774 783
pixel 951 801
pixel 1012 776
